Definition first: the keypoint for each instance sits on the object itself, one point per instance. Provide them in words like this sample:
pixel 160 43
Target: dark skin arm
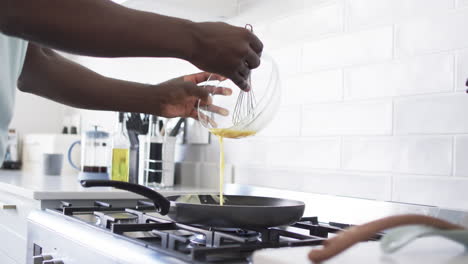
pixel 105 29
pixel 47 74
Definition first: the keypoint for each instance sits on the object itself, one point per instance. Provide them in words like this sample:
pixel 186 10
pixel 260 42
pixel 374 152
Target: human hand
pixel 226 50
pixel 179 97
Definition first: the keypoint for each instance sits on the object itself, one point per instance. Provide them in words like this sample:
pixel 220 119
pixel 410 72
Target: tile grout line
pixel 345 25
pixel 343 85
pixel 394 33
pixel 340 163
pixel 392 187
pixel 454 161
pixel 455 70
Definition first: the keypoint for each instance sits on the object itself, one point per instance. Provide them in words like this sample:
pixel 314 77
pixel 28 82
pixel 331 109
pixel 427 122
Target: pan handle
pixel 160 202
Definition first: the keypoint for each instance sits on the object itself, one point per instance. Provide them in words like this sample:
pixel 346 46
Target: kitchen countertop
pixel 34 185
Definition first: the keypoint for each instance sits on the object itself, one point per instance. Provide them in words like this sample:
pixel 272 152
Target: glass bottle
pixel 121 152
pixel 153 170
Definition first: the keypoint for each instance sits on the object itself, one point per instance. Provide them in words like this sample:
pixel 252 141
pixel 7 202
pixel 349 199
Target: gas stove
pixel 142 226
pixel 107 232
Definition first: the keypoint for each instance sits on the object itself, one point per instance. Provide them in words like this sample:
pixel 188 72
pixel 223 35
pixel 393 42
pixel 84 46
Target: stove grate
pixel 200 244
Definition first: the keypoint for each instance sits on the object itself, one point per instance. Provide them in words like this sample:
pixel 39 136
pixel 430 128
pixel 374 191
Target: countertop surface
pixel 33 185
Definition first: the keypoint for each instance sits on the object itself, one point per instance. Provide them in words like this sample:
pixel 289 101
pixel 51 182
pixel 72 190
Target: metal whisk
pixel 244 109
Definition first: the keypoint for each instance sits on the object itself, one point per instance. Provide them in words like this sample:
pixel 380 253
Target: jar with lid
pixel 95 153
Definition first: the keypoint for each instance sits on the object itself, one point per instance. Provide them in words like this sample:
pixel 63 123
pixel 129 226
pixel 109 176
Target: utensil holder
pixel 157 162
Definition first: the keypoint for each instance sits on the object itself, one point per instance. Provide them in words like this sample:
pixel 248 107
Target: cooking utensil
pixel 137 124
pixel 244 110
pixel 355 234
pixel 162 127
pixel 176 128
pixel 238 211
pixel 244 116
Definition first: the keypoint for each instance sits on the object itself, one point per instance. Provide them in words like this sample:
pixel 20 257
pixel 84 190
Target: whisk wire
pixel 244 110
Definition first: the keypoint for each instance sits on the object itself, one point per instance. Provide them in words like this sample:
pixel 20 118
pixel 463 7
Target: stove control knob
pixel 54 261
pixel 39 259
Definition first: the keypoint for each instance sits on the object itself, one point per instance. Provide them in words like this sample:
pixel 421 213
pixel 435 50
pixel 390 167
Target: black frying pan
pixel 237 211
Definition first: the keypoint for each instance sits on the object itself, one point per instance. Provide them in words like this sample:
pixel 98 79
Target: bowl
pixel 245 113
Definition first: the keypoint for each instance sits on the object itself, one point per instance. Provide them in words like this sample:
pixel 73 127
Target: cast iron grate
pixel 200 244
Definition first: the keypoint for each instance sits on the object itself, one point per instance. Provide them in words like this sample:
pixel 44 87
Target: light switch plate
pixel 195 133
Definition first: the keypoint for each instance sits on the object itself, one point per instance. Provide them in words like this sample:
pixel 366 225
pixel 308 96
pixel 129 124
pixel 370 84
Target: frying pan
pixel 237 211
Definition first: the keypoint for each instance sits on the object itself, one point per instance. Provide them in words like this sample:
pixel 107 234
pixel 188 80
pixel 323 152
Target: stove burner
pixel 108 218
pixel 88 218
pixel 248 236
pixel 197 243
pixel 123 217
pixel 181 232
pixel 198 240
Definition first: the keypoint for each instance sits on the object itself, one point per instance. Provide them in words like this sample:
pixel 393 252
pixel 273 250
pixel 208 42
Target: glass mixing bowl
pixel 247 112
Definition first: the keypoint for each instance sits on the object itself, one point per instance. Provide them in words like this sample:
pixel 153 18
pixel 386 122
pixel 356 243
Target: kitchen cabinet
pixel 13 225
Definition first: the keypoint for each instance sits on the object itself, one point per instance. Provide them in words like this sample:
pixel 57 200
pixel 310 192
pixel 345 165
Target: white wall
pixel 374 103
pixel 373 106
pixel 33 114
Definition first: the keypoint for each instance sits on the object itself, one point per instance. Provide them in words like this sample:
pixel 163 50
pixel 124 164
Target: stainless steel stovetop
pixel 102 232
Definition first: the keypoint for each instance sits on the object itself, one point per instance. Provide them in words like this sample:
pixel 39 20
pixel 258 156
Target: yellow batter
pixel 221 171
pixel 228 133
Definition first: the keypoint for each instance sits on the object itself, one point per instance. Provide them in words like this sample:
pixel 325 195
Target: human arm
pixel 47 74
pixel 105 29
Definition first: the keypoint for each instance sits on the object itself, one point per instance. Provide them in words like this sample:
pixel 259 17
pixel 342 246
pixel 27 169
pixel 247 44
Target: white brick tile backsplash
pixel 462 3
pixel 373 101
pixel 323 20
pixel 262 176
pixel 309 23
pixel 416 76
pixel 260 10
pixel 322 153
pixel 357 118
pixel 461 156
pixel 417 155
pixel 368 154
pixel 447 192
pixel 309 4
pixel 349 49
pixel 314 87
pixel 424 155
pixel 245 151
pixel 437 33
pixel 462 70
pixel 286 123
pixel 211 150
pixel 365 12
pixel 370 186
pixel 287 58
pixel 435 114
pixel 209 174
pixel 292 90
pixel 192 153
pixel 202 175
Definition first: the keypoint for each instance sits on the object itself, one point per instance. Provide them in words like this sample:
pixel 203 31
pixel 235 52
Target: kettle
pixel 95 155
